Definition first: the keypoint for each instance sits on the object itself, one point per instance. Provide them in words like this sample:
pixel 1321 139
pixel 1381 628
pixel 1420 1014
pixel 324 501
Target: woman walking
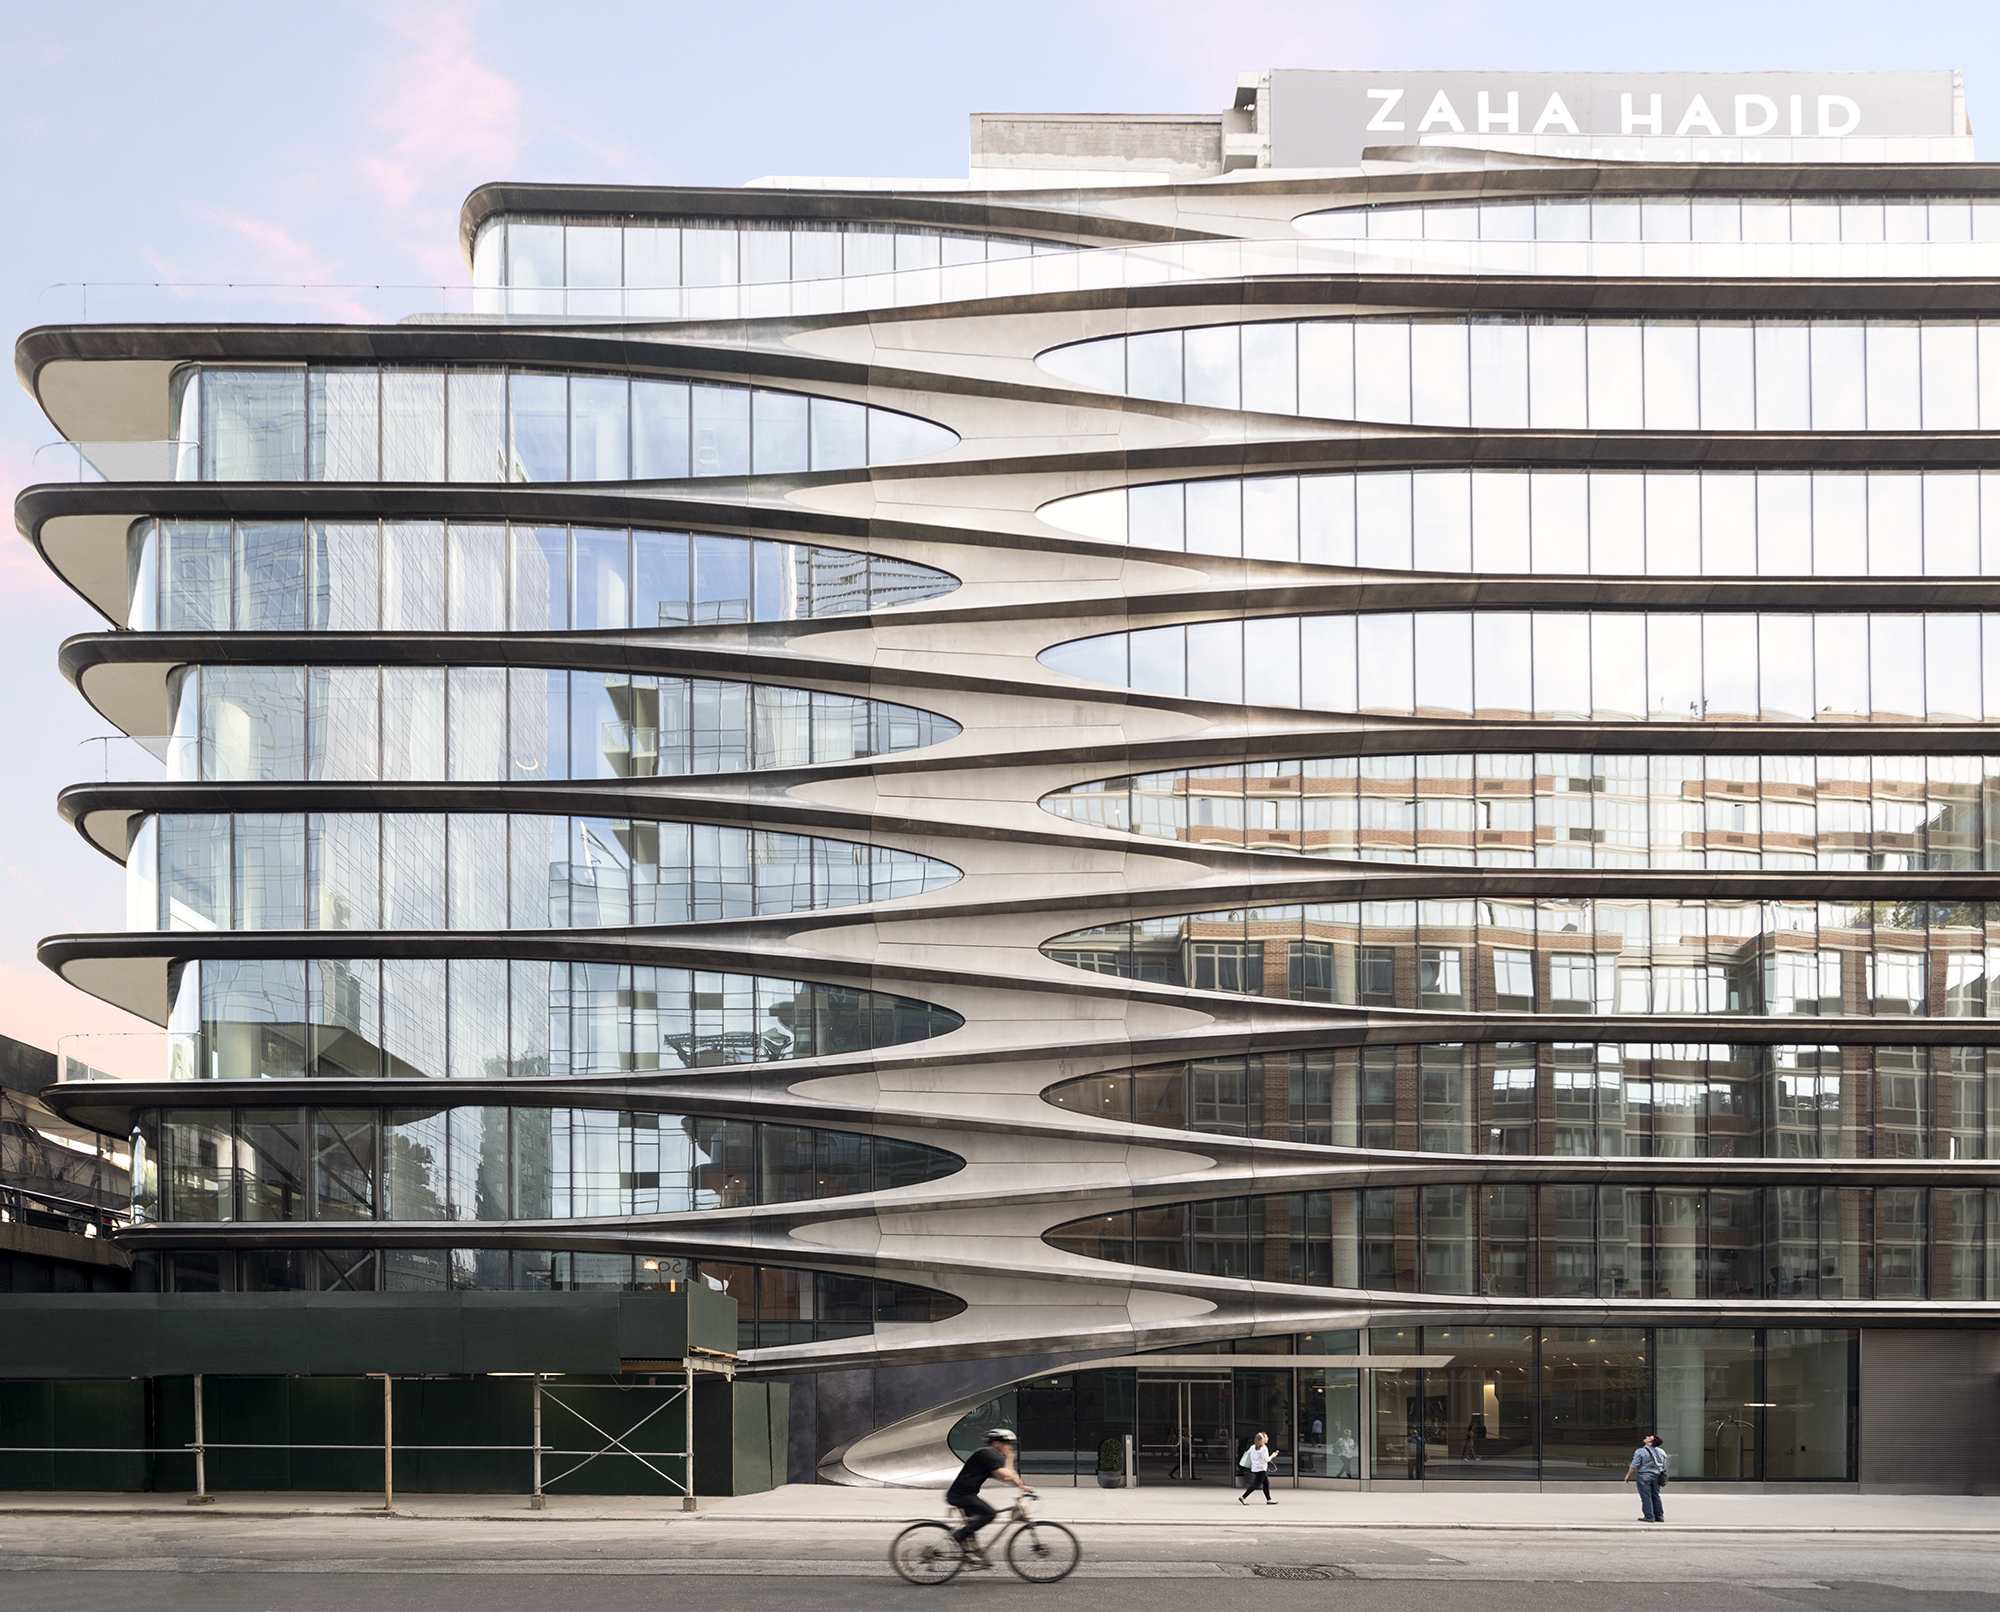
pixel 1256 1464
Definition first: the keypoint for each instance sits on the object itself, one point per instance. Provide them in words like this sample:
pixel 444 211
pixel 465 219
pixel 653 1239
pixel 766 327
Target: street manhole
pixel 1296 1572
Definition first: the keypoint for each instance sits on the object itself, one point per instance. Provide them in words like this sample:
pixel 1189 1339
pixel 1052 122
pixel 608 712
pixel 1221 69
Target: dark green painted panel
pixel 172 1429
pixel 27 1420
pixel 710 1317
pixel 476 1411
pixel 741 1431
pixel 714 1436
pixel 101 1415
pixel 286 1370
pixel 94 1417
pixel 554 1332
pixel 350 1334
pixel 353 1334
pixel 336 1410
pixel 217 1333
pixel 583 1413
pixel 777 1397
pixel 248 1410
pixel 739 1434
pixel 750 1468
pixel 77 1334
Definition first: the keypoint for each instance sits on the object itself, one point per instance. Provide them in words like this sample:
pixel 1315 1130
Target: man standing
pixel 1649 1471
pixel 996 1460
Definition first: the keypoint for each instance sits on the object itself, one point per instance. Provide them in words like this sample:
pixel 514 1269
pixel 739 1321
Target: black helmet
pixel 994 1434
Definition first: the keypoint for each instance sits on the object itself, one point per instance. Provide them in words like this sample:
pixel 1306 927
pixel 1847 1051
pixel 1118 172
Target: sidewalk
pixel 1611 1508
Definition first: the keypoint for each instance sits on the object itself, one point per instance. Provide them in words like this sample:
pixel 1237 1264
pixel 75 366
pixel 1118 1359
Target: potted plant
pixel 1111 1464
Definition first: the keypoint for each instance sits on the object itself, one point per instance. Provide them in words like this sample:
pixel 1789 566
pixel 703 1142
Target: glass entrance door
pixel 1409 1425
pixel 1211 1420
pixel 1184 1430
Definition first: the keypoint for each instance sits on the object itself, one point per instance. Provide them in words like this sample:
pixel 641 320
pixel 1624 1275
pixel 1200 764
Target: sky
pixel 212 146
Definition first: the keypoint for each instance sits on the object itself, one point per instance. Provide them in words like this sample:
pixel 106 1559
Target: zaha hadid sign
pixel 1326 119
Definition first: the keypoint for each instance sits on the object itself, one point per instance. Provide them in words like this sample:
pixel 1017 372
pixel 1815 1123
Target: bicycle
pixel 1040 1552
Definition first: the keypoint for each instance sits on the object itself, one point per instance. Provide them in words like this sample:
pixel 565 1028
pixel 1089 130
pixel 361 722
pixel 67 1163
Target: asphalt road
pixel 337 1564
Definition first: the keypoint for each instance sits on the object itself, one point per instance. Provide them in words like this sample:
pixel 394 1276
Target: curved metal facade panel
pixel 1459 896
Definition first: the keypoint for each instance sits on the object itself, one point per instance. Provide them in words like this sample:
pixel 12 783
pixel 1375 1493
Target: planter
pixel 1111 1480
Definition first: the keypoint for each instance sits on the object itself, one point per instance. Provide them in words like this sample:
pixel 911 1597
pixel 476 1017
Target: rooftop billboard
pixel 1327 119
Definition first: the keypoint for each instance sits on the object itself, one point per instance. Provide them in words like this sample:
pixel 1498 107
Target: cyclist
pixel 996 1460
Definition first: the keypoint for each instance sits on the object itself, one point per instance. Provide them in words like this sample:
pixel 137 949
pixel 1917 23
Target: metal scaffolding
pixel 661 1397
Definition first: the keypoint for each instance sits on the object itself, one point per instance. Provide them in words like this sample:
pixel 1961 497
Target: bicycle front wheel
pixel 925 1553
pixel 1043 1552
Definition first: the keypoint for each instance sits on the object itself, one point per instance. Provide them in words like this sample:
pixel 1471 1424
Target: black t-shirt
pixel 979 1466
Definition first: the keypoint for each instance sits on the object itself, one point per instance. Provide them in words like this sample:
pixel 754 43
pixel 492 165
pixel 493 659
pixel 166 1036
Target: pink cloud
pixel 40 1009
pixel 450 121
pixel 47 889
pixel 1203 51
pixel 22 573
pixel 434 120
pixel 278 276
pixel 273 243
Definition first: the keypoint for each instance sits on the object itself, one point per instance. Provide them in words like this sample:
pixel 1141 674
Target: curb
pixel 1416 1527
pixel 847 1518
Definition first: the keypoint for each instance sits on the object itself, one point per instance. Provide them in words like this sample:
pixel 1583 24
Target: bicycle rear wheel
pixel 925 1553
pixel 1043 1552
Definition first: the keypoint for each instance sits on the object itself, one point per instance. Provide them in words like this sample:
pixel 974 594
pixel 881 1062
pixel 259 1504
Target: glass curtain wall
pixel 1571 956
pixel 1188 1427
pixel 288 724
pixel 1556 1240
pixel 1859 813
pixel 1852 219
pixel 427 576
pixel 1567 665
pixel 467 870
pixel 1548 372
pixel 1564 522
pixel 776 1305
pixel 498 1164
pixel 1575 1099
pixel 537 259
pixel 433 424
pixel 1515 1404
pixel 492 1019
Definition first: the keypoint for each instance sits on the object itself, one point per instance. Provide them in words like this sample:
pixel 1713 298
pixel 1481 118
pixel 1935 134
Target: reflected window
pixel 419 576
pixel 430 1017
pixel 1865 376
pixel 492 425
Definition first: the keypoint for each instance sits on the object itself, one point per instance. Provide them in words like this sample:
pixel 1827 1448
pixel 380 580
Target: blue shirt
pixel 1649 1459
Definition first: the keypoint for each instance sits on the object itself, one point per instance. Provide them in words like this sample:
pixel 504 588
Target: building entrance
pixel 1185 1429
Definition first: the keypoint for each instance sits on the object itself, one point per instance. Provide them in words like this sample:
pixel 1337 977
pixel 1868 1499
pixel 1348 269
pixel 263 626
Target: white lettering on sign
pixel 1728 116
pixel 1698 116
pixel 1629 121
pixel 1331 118
pixel 1769 108
pixel 1556 115
pixel 1441 112
pixel 1827 127
pixel 1510 120
pixel 1388 98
